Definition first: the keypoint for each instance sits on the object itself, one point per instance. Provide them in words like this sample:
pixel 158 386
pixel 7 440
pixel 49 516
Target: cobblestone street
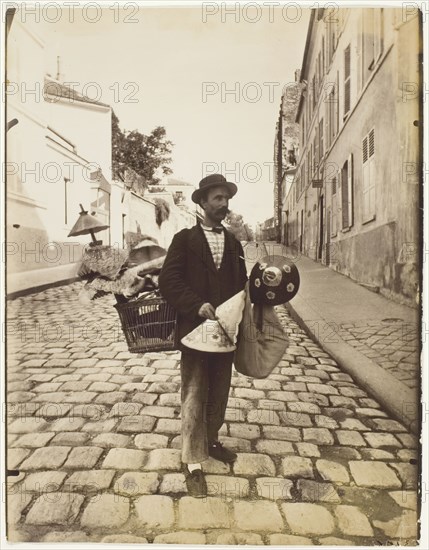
pixel 93 431
pixel 392 343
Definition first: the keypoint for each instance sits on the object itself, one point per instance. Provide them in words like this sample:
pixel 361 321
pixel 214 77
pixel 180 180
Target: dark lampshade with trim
pixel 274 280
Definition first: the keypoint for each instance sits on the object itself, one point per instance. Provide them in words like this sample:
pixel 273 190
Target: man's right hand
pixel 207 311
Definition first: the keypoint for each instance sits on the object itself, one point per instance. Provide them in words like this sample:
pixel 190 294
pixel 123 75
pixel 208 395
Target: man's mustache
pixel 223 211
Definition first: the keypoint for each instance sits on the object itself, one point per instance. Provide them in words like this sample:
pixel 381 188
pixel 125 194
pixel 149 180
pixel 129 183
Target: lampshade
pixel 86 224
pixel 146 250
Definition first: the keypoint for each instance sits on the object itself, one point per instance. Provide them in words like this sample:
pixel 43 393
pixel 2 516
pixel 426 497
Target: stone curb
pixel 398 399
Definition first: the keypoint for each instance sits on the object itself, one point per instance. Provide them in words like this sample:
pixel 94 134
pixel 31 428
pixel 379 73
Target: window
pixel 319 70
pixel 314 94
pixel 337 104
pixel 368 176
pixel 316 151
pixel 334 207
pixel 303 128
pixel 323 57
pixel 347 193
pixel 321 129
pixel 332 114
pixel 347 89
pixel 372 40
pixel 308 105
pixel 302 177
pixel 379 33
pixel 331 33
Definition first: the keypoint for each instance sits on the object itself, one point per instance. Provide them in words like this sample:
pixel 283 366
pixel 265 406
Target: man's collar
pixel 216 229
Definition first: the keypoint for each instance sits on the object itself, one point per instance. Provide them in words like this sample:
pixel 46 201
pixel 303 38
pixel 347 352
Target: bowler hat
pixel 274 280
pixel 213 181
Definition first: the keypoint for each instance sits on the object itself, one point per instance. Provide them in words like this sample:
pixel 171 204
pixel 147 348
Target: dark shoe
pixel 218 452
pixel 195 483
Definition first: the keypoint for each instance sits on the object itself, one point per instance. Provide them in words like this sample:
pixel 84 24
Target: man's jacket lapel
pixel 198 245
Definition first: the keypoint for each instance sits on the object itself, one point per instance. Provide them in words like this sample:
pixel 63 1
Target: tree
pixel 162 211
pixel 238 228
pixel 145 155
pixel 118 149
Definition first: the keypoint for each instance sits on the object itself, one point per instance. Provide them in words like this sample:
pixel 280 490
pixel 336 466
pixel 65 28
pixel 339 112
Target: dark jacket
pixel 189 277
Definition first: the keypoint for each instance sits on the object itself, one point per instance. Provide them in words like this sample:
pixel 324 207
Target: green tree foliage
pixel 142 156
pixel 238 228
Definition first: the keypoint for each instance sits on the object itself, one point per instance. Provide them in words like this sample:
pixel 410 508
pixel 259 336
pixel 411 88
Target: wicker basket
pixel 149 324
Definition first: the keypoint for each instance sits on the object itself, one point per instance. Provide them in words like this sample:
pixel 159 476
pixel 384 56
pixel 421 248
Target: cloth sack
pixel 261 340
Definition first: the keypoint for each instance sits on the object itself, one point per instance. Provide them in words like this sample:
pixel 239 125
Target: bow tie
pixel 214 229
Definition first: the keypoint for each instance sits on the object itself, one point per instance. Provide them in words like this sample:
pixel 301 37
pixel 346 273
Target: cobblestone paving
pixel 393 344
pixel 94 433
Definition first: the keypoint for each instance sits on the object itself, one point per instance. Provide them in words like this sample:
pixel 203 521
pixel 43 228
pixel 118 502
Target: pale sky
pixel 164 62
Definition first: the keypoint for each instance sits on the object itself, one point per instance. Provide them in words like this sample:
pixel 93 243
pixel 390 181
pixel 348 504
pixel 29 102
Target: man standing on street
pixel 204 267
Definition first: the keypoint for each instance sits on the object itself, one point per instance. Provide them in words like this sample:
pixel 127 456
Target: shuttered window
pixel 303 129
pixel 347 193
pixel 372 42
pixel 332 34
pixel 368 177
pixel 314 92
pixel 323 56
pixel 347 89
pixel 316 152
pixel 303 183
pixel 334 208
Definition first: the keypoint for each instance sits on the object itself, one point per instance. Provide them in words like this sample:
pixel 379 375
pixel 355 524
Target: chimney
pixel 297 75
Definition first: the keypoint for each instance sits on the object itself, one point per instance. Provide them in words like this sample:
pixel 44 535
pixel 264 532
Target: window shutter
pixel 350 189
pixel 378 32
pixel 365 149
pixel 328 122
pixel 321 151
pixel 339 183
pixel 347 89
pixel 347 62
pixel 368 176
pixel 316 151
pixel 334 207
pixel 371 173
pixel 339 199
pixel 337 104
pixel 323 57
pixel 371 167
pixel 344 196
pixel 371 143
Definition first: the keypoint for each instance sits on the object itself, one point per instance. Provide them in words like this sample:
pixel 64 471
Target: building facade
pixel 354 200
pixel 286 148
pixel 266 230
pixel 59 155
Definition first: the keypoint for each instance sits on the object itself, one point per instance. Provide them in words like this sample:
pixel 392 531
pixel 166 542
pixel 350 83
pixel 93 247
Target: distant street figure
pixel 204 267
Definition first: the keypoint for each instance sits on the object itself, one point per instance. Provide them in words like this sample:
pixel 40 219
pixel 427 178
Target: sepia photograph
pixel 214 279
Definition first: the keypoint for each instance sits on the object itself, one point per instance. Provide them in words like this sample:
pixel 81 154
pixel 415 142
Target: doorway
pixel 321 229
pixel 328 236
